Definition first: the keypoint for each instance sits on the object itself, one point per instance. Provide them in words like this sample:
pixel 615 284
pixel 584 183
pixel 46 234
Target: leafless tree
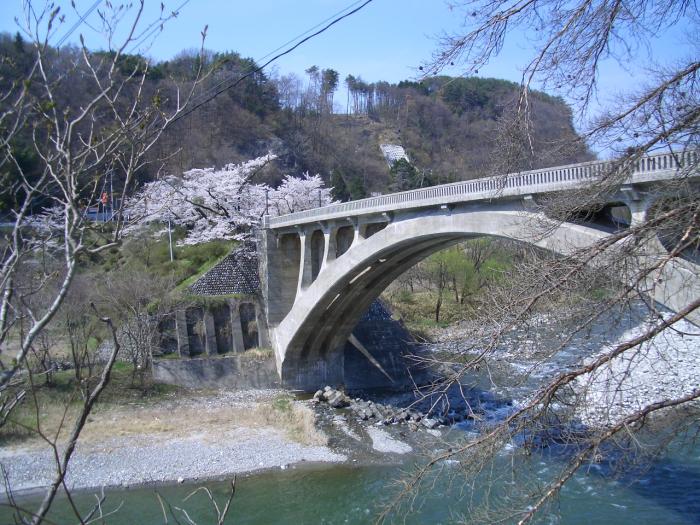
pixel 80 326
pixel 76 145
pixel 138 302
pixel 595 406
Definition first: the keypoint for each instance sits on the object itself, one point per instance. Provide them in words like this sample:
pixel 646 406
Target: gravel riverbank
pixel 665 367
pixel 216 437
pixel 156 460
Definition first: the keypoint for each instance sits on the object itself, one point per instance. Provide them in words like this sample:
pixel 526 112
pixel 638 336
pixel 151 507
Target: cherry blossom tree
pixel 222 203
pixel 299 193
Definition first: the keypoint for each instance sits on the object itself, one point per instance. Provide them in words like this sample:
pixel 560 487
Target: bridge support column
pixel 638 204
pixel 330 245
pixel 305 272
pixel 638 209
pixel 359 230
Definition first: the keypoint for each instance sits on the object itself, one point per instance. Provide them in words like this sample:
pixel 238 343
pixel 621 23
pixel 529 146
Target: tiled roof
pixel 237 273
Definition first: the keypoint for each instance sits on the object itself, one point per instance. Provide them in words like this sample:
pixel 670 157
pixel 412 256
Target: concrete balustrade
pixel 655 168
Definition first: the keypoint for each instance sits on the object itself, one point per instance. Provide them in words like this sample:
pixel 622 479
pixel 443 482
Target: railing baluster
pixel 475 189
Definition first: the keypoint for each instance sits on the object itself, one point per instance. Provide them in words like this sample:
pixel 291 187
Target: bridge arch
pixel 323 316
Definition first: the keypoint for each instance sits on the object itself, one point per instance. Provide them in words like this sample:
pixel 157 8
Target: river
pixel 669 493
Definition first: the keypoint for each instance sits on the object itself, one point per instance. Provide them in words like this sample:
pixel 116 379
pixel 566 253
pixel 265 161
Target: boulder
pixel 338 400
pixel 429 423
pixel 402 415
pixel 376 412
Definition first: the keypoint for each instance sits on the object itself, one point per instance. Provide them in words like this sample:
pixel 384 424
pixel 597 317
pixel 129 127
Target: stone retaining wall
pixel 236 371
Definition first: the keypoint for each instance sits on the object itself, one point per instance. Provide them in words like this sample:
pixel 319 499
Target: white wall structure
pixel 393 153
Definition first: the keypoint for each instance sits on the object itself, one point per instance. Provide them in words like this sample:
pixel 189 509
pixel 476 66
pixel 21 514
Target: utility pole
pixel 170 240
pixel 111 194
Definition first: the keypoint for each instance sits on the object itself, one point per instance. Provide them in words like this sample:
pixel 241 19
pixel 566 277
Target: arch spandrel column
pixel 305 274
pixel 637 202
pixel 330 246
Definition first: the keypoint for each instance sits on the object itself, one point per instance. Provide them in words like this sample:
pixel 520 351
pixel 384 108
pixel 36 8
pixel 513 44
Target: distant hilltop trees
pixel 449 127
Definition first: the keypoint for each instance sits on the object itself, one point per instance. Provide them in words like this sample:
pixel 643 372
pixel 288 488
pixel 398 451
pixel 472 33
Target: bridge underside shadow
pixel 310 338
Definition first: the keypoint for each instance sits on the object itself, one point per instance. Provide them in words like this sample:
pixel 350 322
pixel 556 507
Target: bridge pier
pixel 637 202
pixel 309 375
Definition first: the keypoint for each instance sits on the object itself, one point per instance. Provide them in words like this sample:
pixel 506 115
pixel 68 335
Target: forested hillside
pixel 451 128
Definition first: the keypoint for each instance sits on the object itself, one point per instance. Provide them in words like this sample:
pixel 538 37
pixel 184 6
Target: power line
pixel 215 92
pixel 78 23
pixel 213 88
pixel 310 29
pixel 147 33
pixel 156 25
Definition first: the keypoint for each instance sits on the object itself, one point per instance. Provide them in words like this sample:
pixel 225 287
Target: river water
pixel 669 493
pixel 666 491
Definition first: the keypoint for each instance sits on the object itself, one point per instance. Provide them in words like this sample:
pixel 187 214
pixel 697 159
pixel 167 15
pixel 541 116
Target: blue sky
pixel 387 40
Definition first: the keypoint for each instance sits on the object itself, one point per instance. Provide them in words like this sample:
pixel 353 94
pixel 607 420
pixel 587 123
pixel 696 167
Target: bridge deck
pixel 653 168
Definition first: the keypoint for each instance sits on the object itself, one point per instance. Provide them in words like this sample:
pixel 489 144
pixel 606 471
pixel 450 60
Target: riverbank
pixel 662 368
pixel 194 436
pixel 210 435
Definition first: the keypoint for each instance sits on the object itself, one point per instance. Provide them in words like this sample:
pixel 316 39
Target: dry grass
pixel 296 419
pixel 258 354
pixel 171 419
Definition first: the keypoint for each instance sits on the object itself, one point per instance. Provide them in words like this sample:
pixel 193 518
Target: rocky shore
pixel 214 436
pixel 377 413
pixel 660 369
pixel 666 367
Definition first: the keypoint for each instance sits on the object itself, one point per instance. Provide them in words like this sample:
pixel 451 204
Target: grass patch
pixel 258 354
pixel 418 312
pixel 295 418
pixel 44 406
pixel 144 252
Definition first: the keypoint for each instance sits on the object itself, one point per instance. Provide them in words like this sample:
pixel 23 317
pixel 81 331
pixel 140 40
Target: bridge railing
pixel 647 168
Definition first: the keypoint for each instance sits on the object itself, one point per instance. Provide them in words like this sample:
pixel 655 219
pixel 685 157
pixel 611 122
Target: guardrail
pixel 646 169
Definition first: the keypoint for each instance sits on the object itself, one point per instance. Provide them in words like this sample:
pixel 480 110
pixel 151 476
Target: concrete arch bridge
pixel 320 269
